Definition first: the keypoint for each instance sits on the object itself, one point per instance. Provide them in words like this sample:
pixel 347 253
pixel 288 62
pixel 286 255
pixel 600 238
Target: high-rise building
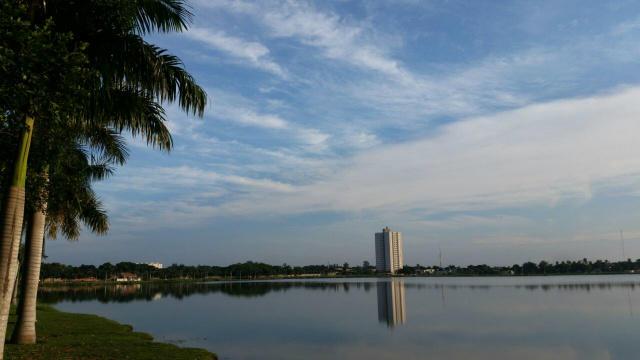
pixel 388 251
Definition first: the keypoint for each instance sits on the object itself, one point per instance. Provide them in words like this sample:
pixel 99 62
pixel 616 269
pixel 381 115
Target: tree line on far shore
pixel 583 266
pixel 246 270
pixel 253 270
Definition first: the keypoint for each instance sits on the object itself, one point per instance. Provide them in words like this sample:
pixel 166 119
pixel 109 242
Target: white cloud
pixel 327 31
pixel 539 154
pixel 412 95
pixel 626 27
pixel 359 139
pixel 406 97
pixel 536 155
pixel 156 179
pixel 312 136
pixel 242 111
pixel 250 117
pixel 498 221
pixel 254 53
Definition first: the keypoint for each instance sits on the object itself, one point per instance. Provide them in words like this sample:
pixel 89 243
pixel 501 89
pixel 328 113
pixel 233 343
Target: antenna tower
pixel 624 257
pixel 440 251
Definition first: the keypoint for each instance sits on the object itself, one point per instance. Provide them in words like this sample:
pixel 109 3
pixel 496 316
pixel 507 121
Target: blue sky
pixel 504 131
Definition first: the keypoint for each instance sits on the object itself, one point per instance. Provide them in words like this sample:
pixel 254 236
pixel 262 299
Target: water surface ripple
pixel 559 317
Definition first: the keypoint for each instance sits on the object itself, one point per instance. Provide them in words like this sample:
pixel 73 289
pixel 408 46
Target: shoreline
pixel 213 280
pixel 63 335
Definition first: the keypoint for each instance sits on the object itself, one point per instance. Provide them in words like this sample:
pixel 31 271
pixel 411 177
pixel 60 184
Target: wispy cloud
pixel 626 27
pixel 537 155
pixel 156 179
pixel 254 53
pixel 466 221
pixel 250 117
pixel 422 118
pixel 331 33
pixel 242 111
pixel 412 96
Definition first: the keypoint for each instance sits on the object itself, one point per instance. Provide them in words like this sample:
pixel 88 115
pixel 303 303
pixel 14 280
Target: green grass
pixel 80 336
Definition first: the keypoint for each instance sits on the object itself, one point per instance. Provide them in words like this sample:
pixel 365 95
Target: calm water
pixel 568 317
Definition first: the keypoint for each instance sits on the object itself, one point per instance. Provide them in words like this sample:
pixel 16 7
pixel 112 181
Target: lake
pixel 555 317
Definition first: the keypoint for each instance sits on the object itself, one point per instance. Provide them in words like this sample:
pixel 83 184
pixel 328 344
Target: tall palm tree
pixel 38 78
pixel 14 296
pixel 132 80
pixel 67 200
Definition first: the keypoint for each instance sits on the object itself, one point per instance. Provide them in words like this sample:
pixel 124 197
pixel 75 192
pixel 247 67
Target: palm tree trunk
pixel 14 297
pixel 25 330
pixel 12 217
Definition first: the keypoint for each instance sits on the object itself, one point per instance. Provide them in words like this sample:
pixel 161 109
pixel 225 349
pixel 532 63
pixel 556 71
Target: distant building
pixel 154 264
pixel 425 271
pixel 388 251
pixel 125 276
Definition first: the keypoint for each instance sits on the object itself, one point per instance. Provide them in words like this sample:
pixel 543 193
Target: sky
pixel 501 131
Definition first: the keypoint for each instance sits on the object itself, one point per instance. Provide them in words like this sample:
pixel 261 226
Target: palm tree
pixel 67 199
pixel 14 296
pixel 132 79
pixel 38 67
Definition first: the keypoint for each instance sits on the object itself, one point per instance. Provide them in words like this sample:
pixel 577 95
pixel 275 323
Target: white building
pixel 154 264
pixel 127 277
pixel 388 251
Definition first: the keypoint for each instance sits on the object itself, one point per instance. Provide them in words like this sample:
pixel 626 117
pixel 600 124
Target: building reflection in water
pixel 391 308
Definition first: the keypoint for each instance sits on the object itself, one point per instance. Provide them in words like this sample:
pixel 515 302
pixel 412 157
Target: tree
pixel 543 266
pixel 128 81
pixel 366 267
pixel 530 268
pixel 71 199
pixel 40 73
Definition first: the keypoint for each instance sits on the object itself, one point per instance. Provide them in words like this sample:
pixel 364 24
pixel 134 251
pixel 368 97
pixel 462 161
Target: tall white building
pixel 388 251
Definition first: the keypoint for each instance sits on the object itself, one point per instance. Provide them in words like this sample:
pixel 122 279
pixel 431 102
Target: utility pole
pixel 440 251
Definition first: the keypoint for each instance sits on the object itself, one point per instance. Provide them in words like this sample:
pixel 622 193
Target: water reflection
pixel 390 294
pixel 630 306
pixel 391 307
pixel 580 317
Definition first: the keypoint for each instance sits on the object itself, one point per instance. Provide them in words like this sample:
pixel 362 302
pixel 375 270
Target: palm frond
pixel 136 64
pixel 162 16
pixel 105 143
pixel 94 216
pixel 99 171
pixel 83 205
pixel 133 111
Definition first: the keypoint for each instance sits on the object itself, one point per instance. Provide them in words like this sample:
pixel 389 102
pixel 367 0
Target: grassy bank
pixel 80 336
